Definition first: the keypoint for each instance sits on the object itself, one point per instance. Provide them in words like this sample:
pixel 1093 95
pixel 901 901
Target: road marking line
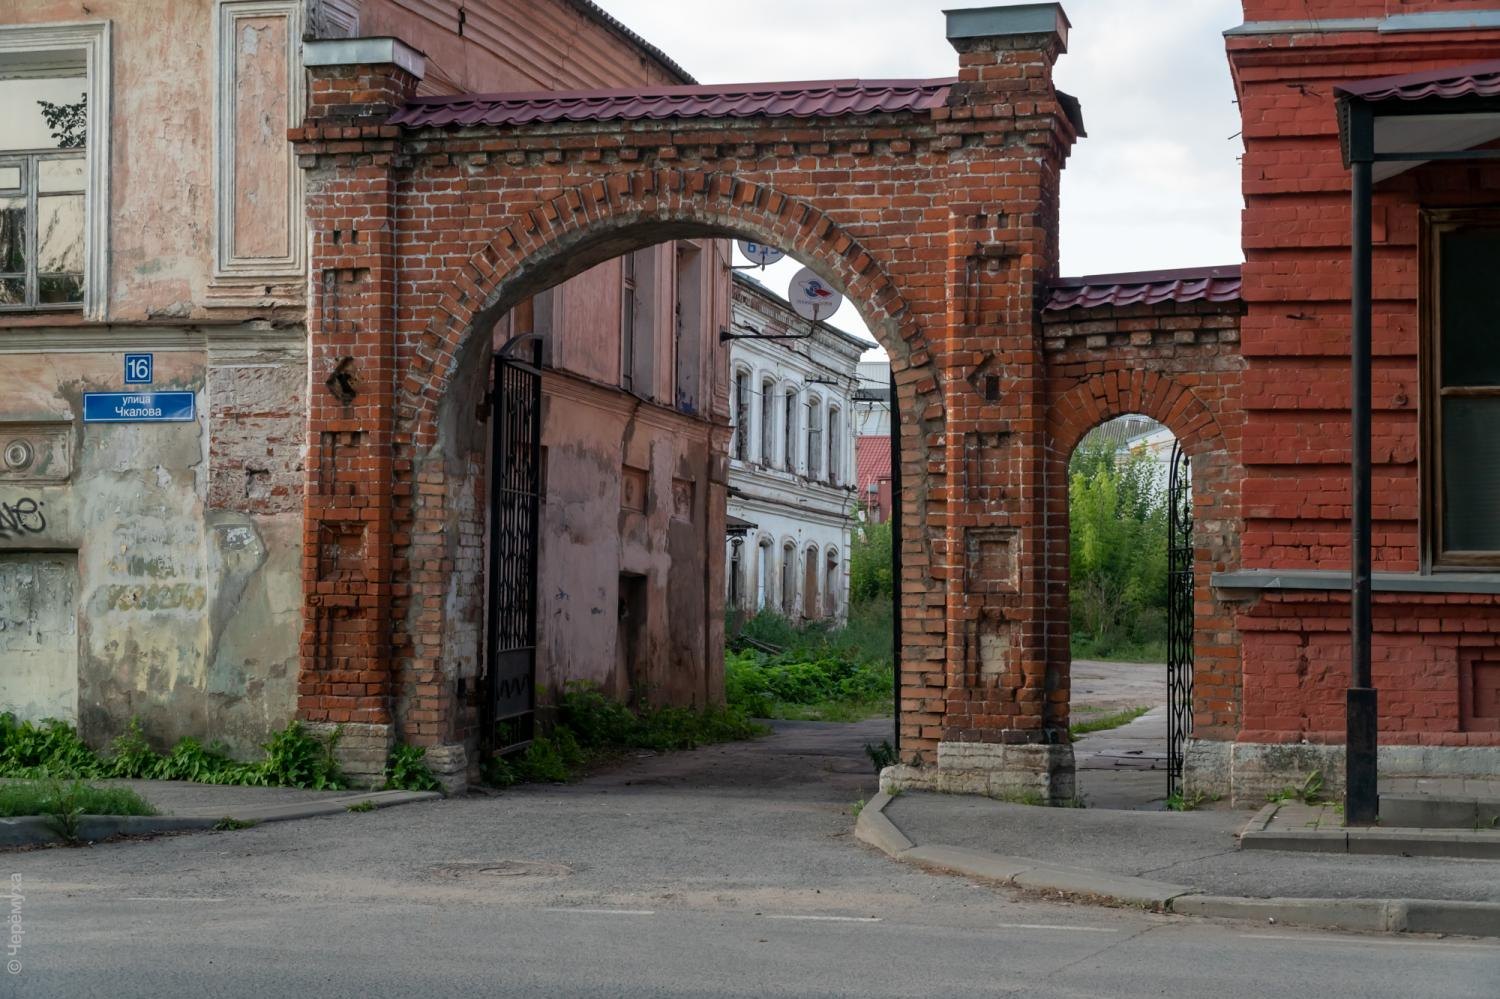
pixel 158 898
pixel 1357 941
pixel 831 919
pixel 1052 926
pixel 605 912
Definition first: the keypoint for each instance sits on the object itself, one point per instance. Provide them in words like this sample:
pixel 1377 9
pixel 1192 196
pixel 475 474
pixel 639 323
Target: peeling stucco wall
pixel 187 613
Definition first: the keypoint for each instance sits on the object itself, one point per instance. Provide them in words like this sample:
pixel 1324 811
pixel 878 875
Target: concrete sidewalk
pixel 1182 862
pixel 184 806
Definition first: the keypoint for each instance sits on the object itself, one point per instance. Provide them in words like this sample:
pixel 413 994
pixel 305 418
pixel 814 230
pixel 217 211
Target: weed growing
pixel 406 770
pixel 1309 792
pixel 813 672
pixel 1105 722
pixel 592 726
pixel 294 757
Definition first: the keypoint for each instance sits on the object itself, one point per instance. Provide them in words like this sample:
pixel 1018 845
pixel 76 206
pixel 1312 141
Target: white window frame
pixel 227 265
pixel 93 39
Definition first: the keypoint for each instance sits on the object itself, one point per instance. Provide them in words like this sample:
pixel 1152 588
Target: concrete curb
pixel 1260 833
pixel 39 830
pixel 876 829
pixel 1479 919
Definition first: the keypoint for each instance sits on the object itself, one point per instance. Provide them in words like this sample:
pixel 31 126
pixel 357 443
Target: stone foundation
pixel 450 765
pixel 1029 773
pixel 361 751
pixel 1246 772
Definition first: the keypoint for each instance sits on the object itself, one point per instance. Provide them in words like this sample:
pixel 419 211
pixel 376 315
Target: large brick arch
pixel 552 240
pixel 936 214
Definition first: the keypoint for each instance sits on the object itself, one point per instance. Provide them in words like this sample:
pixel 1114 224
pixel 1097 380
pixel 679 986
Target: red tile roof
pixel 816 99
pixel 872 461
pixel 1194 284
pixel 1480 79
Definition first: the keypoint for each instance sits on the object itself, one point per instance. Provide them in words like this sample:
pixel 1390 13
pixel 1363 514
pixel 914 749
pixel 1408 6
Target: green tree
pixel 1118 514
pixel 870 562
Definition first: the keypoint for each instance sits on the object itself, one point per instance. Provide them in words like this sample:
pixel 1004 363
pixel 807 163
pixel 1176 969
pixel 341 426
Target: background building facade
pixel 791 464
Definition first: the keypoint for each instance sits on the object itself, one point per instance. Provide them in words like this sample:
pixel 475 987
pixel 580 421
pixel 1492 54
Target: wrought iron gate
pixel 1179 614
pixel 515 512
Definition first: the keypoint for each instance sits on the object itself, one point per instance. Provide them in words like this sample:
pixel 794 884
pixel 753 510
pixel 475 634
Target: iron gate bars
pixel 1179 615
pixel 515 515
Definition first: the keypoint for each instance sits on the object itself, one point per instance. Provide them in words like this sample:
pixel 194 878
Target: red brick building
pixel 1436 659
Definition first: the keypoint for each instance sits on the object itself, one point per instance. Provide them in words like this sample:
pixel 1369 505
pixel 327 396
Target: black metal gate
pixel 1179 614
pixel 515 512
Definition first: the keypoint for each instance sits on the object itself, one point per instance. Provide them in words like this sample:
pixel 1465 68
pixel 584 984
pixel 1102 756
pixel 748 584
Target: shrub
pixel 871 562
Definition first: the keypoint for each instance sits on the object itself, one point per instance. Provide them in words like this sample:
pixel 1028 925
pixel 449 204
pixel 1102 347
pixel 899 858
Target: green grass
pixel 1125 651
pixel 56 798
pixel 1103 723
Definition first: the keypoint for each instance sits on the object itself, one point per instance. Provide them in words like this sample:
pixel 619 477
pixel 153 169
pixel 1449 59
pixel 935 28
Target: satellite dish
pixel 812 297
pixel 760 253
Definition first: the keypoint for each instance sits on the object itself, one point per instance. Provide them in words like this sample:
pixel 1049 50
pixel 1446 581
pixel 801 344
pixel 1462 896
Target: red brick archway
pixel 933 204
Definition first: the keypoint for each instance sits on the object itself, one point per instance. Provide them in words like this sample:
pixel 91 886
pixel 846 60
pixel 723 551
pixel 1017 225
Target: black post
pixel 896 552
pixel 1362 799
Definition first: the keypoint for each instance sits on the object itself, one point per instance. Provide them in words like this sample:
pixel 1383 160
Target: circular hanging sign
pixel 812 297
pixel 760 253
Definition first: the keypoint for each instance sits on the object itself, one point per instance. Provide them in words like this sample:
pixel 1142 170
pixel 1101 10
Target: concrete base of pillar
pixel 450 765
pixel 1032 774
pixel 361 750
pixel 1247 772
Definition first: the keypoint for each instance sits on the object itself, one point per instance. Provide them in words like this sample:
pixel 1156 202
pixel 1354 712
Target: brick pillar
pixel 1008 134
pixel 346 666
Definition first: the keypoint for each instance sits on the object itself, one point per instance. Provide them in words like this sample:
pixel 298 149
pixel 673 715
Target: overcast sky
pixel 1156 183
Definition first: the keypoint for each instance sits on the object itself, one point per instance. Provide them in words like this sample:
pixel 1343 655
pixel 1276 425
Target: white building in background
pixel 791 459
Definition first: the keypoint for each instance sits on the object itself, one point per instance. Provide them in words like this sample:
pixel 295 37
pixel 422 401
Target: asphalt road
pixel 726 872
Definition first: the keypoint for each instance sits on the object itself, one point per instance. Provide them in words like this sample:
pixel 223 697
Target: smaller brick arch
pixel 1181 410
pixel 1121 393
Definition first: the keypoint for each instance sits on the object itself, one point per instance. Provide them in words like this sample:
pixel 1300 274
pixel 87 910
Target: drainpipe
pixel 1361 796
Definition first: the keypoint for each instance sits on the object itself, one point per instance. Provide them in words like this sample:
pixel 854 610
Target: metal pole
pixel 1362 799
pixel 896 507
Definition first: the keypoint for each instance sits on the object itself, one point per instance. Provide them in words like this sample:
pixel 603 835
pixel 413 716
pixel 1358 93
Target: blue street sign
pixel 138 369
pixel 138 407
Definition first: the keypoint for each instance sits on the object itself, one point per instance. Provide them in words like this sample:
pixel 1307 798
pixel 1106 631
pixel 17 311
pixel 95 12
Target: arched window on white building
pixel 767 421
pixel 736 573
pixel 790 430
pixel 740 448
pixel 789 579
pixel 831 584
pixel 811 608
pixel 765 557
pixel 814 437
pixel 835 449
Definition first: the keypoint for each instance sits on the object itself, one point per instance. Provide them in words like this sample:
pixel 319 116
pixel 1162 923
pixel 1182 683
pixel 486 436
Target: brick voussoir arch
pixel 664 203
pixel 1104 397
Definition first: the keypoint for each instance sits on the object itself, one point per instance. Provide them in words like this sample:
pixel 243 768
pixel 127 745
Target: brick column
pixel 346 669
pixel 1008 134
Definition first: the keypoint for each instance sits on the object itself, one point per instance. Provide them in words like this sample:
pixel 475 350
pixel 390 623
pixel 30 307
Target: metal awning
pixel 734 527
pixel 1401 122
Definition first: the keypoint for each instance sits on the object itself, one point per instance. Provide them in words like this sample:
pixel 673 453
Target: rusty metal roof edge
pixel 684 91
pixel 1130 279
pixel 1385 88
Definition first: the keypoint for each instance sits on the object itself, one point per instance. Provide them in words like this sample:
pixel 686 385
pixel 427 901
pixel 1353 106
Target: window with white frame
pixel 741 447
pixel 789 579
pixel 814 437
pixel 831 585
pixel 53 158
pixel 789 430
pixel 767 418
pixel 835 452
